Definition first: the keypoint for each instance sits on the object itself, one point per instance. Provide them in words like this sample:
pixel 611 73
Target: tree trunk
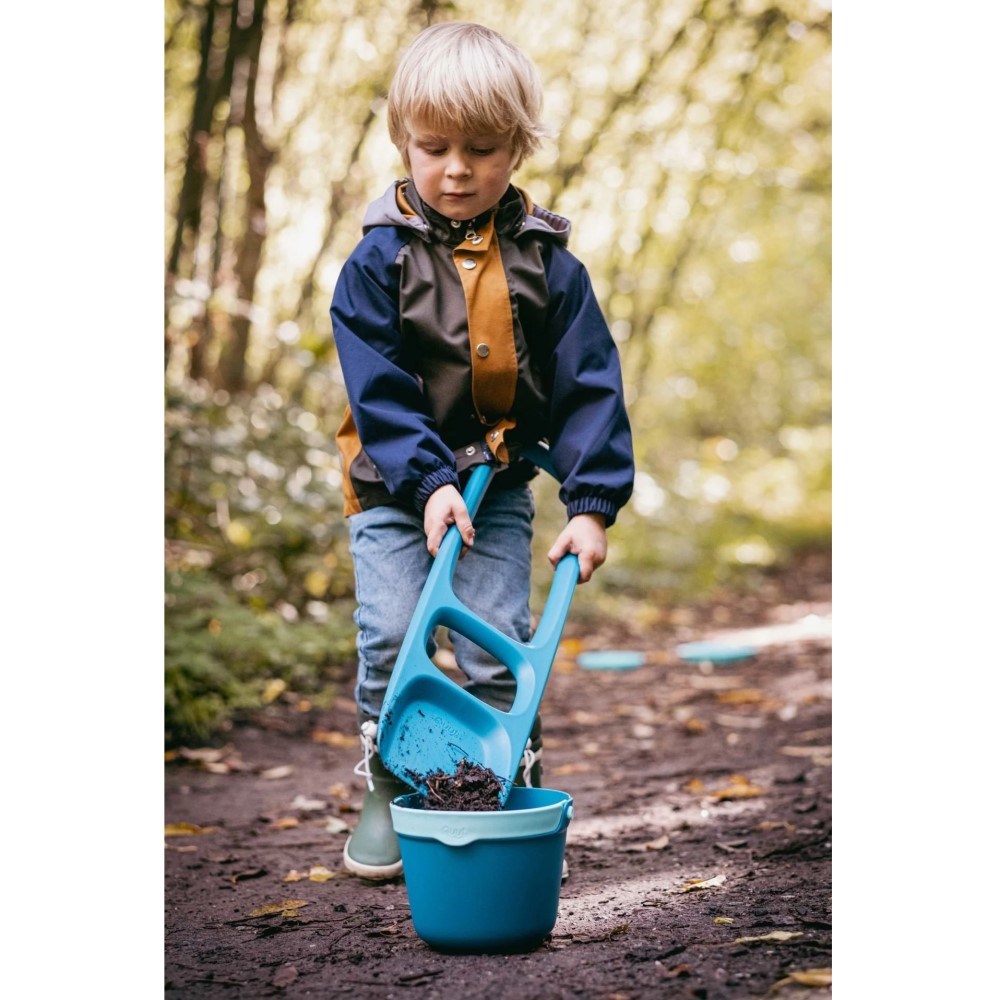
pixel 248 33
pixel 213 83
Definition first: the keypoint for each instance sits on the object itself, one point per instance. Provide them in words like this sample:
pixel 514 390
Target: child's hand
pixel 586 538
pixel 445 507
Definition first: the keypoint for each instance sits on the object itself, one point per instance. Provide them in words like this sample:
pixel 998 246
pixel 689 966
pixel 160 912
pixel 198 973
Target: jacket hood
pixel 516 214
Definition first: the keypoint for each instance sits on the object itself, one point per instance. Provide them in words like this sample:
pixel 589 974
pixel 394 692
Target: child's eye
pixel 483 152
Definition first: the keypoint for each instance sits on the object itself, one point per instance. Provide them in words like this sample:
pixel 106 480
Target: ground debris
pixel 608 935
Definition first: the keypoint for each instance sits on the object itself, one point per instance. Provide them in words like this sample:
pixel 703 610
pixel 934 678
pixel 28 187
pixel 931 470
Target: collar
pixel 508 212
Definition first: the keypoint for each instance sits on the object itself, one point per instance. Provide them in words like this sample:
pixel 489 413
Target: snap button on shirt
pixel 483 350
pixel 468 264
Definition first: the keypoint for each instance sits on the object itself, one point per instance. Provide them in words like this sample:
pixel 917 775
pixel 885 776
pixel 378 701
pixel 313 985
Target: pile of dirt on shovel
pixel 472 788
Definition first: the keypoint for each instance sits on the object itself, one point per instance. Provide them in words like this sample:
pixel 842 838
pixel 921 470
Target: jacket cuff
pixel 430 483
pixel 593 505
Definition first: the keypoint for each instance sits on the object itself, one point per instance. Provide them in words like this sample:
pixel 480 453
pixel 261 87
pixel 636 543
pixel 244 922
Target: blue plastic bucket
pixel 484 881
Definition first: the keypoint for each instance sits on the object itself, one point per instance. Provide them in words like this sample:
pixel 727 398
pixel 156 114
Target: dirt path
pixel 680 773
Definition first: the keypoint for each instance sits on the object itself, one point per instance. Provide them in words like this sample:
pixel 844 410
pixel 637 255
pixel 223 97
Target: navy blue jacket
pixel 458 344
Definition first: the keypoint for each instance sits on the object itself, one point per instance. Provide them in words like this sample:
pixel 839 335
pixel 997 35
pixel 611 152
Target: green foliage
pixel 221 655
pixel 259 582
pixel 253 487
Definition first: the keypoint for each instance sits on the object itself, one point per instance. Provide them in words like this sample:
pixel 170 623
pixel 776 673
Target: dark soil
pixel 472 788
pixel 699 850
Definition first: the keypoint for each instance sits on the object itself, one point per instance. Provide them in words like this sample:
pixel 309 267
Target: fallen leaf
pixel 273 773
pixel 657 845
pixel 206 755
pixel 308 805
pixel 243 876
pixel 675 971
pixel 214 767
pixel 340 791
pixel 714 682
pixel 599 936
pixel 284 823
pixel 773 936
pixel 287 908
pixel 807 751
pixel 695 786
pixel 186 829
pixel 334 739
pixel 272 689
pixel 285 976
pixel 722 920
pixel 740 696
pixel 772 824
pixel 320 873
pixel 738 788
pixel 807 977
pixel 739 721
pixel 695 726
pixel 708 883
pixel 295 876
pixel 733 845
pixel 334 825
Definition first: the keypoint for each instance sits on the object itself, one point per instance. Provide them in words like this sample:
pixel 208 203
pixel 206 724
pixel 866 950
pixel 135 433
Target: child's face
pixel 460 175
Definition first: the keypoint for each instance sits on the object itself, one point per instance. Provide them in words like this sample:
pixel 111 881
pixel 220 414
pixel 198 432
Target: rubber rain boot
pixel 372 850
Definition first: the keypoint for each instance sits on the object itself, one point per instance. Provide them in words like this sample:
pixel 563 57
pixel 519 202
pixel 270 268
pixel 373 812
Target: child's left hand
pixel 586 538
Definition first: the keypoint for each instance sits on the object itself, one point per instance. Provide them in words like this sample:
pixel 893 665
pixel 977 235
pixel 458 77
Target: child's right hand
pixel 444 508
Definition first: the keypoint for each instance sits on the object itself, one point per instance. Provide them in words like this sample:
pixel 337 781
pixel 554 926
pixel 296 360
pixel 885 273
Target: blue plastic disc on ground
pixel 611 659
pixel 715 652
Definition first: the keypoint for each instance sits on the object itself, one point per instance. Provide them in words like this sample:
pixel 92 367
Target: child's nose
pixel 458 166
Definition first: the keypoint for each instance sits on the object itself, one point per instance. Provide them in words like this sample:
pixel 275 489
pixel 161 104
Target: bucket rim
pixel 457 828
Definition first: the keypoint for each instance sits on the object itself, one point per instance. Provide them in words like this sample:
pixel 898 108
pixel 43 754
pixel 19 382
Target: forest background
pixel 914 272
pixel 693 157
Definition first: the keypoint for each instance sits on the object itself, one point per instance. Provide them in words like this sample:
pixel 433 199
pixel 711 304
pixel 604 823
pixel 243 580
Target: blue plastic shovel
pixel 429 723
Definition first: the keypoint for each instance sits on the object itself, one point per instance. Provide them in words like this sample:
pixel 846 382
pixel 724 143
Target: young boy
pixel 465 329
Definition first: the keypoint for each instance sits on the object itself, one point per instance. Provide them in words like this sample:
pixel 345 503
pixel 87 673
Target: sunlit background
pixel 693 157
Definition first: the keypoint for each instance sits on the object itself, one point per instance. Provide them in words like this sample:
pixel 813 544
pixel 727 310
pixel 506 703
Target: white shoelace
pixel 528 761
pixel 363 769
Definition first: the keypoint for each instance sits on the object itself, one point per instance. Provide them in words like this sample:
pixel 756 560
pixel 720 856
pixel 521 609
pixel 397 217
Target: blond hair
pixel 463 77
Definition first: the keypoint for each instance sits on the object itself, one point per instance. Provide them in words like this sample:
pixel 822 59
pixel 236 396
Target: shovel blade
pixel 432 724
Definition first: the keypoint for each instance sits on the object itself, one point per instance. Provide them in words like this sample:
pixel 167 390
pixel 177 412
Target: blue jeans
pixel 493 579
